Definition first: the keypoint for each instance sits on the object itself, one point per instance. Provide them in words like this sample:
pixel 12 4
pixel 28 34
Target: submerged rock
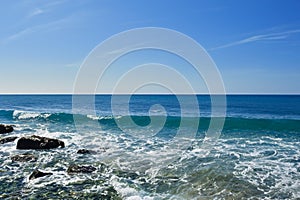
pixel 6 128
pixel 7 139
pixel 80 169
pixel 124 174
pixel 37 142
pixel 37 174
pixel 24 158
pixel 85 151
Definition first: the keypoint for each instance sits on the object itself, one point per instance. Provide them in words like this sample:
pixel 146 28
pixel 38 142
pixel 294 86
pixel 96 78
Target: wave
pixel 57 117
pixel 231 123
pixel 6 114
pixel 18 114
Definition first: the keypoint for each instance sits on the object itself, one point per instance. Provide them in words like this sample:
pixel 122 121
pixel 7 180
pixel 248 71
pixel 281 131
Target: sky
pixel 254 43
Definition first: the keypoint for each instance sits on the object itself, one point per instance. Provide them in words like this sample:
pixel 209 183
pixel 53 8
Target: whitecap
pixel 18 114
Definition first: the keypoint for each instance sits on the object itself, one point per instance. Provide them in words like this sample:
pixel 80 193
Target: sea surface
pixel 256 156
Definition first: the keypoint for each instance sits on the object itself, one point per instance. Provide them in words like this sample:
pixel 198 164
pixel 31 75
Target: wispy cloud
pixel 35 12
pixel 53 25
pixel 263 37
pixel 45 8
pixel 74 64
pixel 19 34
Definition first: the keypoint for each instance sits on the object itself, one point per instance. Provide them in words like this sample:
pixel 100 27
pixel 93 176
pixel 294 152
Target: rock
pixel 80 169
pixel 37 142
pixel 6 128
pixel 37 174
pixel 7 139
pixel 24 158
pixel 85 151
pixel 124 174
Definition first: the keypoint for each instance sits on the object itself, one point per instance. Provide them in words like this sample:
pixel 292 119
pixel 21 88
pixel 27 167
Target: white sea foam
pixel 266 163
pixel 18 114
pixel 94 117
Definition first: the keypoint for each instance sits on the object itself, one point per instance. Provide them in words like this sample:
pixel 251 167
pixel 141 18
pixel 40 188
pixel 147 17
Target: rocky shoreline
pixel 35 142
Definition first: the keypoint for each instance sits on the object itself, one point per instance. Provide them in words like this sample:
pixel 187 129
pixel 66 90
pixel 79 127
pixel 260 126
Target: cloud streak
pixel 263 37
pixel 45 8
pixel 36 12
pixel 74 64
pixel 38 28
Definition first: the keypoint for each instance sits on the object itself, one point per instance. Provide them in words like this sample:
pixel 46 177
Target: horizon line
pixel 150 94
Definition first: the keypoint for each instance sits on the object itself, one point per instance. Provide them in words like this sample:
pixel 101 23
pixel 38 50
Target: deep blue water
pixel 247 106
pixel 256 156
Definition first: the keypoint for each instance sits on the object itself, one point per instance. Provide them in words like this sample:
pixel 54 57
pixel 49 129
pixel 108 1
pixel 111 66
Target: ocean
pixel 255 156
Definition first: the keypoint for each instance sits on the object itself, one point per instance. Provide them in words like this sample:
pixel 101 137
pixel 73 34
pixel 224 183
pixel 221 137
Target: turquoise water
pixel 256 156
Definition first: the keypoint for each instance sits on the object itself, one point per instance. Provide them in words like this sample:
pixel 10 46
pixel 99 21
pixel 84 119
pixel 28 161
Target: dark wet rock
pixel 124 174
pixel 7 139
pixel 6 128
pixel 37 174
pixel 24 158
pixel 37 142
pixel 85 151
pixel 80 169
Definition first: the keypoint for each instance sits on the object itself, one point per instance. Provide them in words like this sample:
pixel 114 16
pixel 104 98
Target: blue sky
pixel 255 44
